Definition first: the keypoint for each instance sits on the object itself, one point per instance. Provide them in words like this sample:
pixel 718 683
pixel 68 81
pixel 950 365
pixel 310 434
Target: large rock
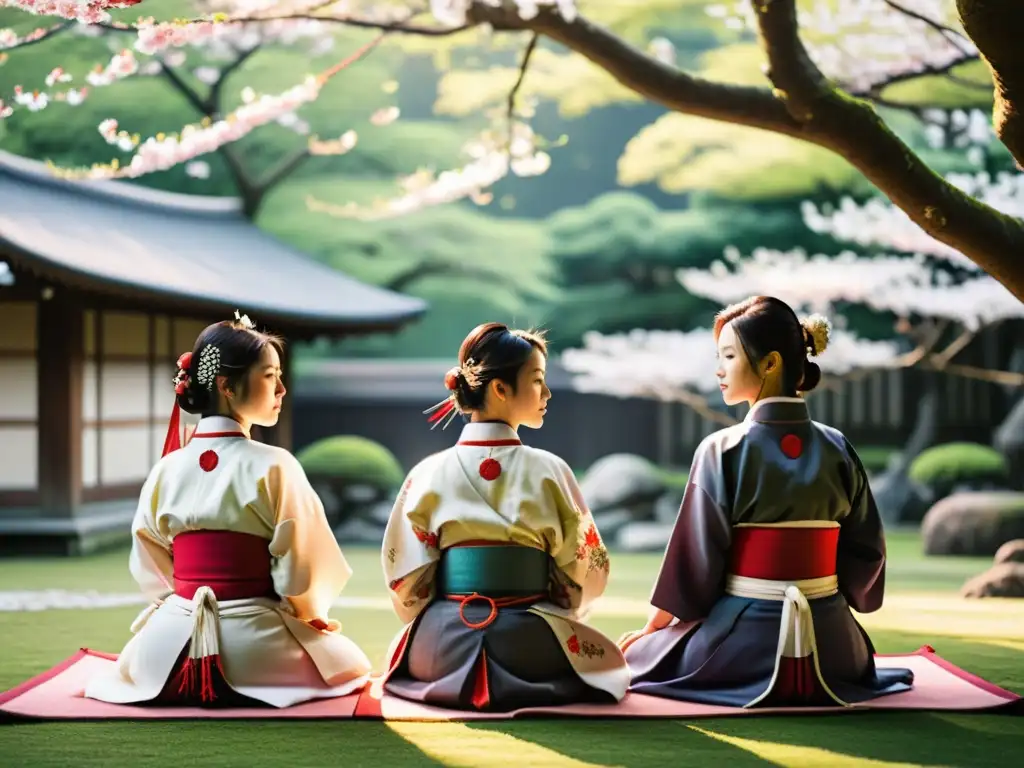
pixel 973 523
pixel 1001 580
pixel 1010 552
pixel 623 480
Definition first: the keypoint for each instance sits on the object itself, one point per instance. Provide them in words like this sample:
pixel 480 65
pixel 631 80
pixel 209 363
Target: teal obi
pixel 494 571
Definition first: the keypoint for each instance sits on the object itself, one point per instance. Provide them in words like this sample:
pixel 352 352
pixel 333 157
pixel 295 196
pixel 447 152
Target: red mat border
pixel 368 707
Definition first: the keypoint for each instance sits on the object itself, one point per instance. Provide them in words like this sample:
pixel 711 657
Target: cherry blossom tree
pixel 942 300
pixel 826 73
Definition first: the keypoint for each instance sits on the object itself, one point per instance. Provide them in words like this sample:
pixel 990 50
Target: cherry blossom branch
pixel 162 153
pixel 523 66
pixel 954 36
pixel 84 11
pixel 11 42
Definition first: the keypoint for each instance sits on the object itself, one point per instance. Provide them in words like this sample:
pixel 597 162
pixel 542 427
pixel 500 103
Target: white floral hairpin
pixel 244 321
pixel 209 364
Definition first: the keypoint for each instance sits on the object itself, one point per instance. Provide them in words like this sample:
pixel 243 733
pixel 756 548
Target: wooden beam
pixel 59 323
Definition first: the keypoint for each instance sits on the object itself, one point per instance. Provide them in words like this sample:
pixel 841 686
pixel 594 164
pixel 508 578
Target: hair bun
pixel 817 330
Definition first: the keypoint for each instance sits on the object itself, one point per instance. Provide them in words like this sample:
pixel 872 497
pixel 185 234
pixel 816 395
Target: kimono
pixel 492 561
pixel 777 538
pixel 231 544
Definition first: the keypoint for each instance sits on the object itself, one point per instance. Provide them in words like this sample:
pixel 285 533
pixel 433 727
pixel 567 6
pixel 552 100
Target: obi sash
pixel 495 570
pixel 792 563
pixel 233 565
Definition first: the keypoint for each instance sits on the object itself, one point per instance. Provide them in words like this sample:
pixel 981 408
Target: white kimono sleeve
pixel 308 569
pixel 410 551
pixel 581 559
pixel 150 560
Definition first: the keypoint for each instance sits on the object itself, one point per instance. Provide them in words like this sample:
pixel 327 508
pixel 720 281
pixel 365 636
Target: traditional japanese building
pixel 102 286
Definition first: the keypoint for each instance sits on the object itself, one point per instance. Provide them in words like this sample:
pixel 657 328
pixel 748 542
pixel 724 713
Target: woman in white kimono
pixel 231 544
pixel 491 556
pixel 777 538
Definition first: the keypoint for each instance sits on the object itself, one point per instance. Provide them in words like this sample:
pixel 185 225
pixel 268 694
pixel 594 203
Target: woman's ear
pixel 771 364
pixel 499 389
pixel 223 388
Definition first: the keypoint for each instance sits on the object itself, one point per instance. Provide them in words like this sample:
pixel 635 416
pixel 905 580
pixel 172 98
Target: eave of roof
pixel 178 252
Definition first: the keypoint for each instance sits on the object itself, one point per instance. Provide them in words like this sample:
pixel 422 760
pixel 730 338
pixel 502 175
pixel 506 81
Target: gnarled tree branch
pixel 995 27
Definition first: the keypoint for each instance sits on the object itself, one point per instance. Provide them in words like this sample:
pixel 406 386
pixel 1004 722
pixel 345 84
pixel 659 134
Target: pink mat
pixel 56 695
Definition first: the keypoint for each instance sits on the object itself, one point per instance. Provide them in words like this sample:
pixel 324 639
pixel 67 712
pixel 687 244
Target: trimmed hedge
pixel 352 460
pixel 944 467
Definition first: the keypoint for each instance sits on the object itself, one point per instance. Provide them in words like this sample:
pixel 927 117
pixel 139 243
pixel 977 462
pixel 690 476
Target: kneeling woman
pixel 491 555
pixel 231 544
pixel 777 538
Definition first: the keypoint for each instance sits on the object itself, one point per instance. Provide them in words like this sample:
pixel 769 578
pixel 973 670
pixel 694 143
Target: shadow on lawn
pixel 919 738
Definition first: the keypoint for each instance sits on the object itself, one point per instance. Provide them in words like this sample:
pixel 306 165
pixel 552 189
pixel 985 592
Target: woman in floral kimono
pixel 491 556
pixel 778 537
pixel 231 544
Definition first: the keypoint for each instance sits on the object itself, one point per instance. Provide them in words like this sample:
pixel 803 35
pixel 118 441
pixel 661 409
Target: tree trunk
pixel 996 27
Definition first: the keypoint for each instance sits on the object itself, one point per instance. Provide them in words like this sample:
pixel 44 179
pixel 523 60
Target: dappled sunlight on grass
pixel 806 757
pixel 458 744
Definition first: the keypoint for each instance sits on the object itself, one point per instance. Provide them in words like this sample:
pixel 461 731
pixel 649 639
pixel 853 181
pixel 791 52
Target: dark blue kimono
pixel 776 467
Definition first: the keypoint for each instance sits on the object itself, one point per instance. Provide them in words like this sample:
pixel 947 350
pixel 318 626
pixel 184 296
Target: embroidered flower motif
pixel 592 550
pixel 584 648
pixel 391 555
pixel 208 461
pixel 430 539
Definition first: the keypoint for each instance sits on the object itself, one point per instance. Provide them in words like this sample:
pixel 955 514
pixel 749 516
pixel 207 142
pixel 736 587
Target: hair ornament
pixel 817 330
pixel 445 411
pixel 209 365
pixel 244 321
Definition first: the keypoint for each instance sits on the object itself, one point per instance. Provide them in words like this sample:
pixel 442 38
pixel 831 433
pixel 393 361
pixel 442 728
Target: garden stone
pixel 1002 580
pixel 623 480
pixel 1010 552
pixel 973 523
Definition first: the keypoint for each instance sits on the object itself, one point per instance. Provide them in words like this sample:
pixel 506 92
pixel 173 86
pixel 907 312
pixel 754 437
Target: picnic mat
pixel 57 695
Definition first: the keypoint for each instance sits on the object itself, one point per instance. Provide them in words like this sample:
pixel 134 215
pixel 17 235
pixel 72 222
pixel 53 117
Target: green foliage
pixel 617 258
pixel 944 467
pixel 875 458
pixel 352 460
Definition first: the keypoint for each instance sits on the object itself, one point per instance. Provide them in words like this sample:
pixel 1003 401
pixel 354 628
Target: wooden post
pixel 61 351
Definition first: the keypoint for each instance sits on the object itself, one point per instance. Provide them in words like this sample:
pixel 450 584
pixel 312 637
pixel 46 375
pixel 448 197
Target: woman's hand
pixel 631 637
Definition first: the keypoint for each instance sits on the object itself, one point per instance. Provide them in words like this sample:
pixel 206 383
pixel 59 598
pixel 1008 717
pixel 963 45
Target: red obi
pixel 236 566
pixel 784 553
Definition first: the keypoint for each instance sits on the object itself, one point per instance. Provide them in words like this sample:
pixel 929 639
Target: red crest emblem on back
pixel 490 469
pixel 792 446
pixel 208 461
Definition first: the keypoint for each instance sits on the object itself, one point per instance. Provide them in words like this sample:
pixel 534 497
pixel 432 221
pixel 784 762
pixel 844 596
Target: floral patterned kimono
pixel 231 544
pixel 777 538
pixel 493 560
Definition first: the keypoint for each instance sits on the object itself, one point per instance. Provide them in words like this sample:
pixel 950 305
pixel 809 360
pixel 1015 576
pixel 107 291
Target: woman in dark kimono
pixel 778 536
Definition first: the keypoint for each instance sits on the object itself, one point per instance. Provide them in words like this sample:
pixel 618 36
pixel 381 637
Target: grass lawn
pixel 986 637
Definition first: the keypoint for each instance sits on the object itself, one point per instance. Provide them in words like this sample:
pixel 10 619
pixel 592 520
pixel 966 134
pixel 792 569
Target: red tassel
pixel 173 440
pixel 202 668
pixel 441 412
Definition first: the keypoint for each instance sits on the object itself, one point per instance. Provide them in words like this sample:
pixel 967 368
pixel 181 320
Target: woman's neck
pixel 243 423
pixel 483 418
